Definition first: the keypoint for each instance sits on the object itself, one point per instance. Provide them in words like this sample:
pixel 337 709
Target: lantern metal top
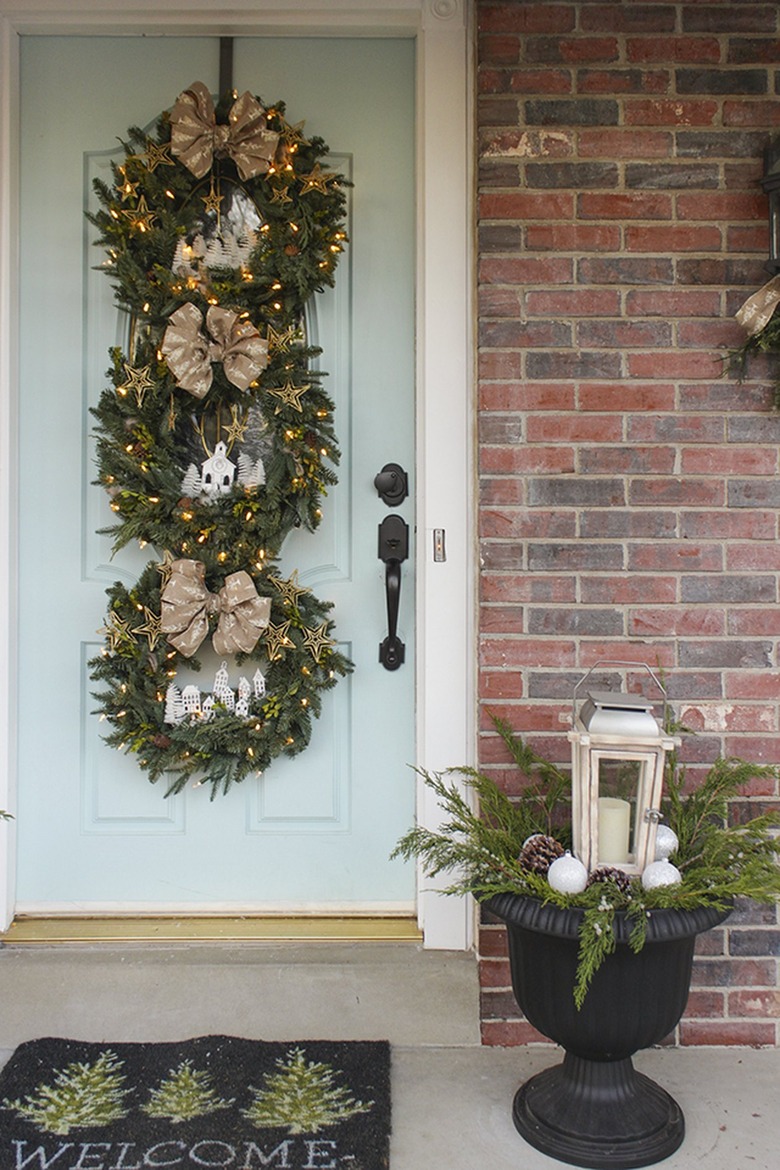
pixel 620 701
pixel 616 712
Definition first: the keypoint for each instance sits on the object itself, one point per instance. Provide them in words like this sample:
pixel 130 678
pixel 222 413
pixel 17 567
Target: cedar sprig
pixel 722 859
pixel 478 841
pixel 548 788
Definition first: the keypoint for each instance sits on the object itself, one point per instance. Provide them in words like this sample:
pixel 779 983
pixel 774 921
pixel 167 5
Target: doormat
pixel 215 1101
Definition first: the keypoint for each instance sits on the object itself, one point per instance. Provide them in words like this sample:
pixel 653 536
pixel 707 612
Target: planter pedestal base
pixel 600 1114
pixel 594 1109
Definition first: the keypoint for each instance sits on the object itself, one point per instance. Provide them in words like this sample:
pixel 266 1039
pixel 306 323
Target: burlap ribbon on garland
pixel 196 138
pixel 187 605
pixel 189 351
pixel 758 310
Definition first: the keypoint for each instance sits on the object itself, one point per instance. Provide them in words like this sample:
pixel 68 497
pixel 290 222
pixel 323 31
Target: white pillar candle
pixel 614 829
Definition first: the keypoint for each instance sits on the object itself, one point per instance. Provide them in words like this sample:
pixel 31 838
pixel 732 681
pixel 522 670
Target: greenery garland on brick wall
pixel 215 436
pixel 759 318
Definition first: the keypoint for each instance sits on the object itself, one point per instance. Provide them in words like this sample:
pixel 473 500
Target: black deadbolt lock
pixel 392 484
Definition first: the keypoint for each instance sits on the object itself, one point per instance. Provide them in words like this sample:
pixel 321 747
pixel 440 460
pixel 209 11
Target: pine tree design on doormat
pixel 302 1096
pixel 185 1093
pixel 215 437
pixel 214 1100
pixel 82 1095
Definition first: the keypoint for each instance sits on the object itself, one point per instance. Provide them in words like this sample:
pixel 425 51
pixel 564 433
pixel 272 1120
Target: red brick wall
pixel 629 490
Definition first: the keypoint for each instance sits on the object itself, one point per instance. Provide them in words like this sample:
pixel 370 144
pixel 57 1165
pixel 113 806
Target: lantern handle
pixel 616 662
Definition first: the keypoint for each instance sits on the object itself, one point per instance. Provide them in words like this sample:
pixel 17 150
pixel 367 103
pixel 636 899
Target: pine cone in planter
pixel 610 873
pixel 539 852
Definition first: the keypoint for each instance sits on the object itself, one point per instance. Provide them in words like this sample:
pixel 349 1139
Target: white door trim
pixel 445 669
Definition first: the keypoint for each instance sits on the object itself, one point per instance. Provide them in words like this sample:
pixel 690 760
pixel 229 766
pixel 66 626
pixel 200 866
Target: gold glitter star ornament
pixel 138 380
pixel 151 627
pixel 277 640
pixel 117 631
pixel 290 395
pixel 289 589
pixel 317 641
pixel 317 180
pixel 156 155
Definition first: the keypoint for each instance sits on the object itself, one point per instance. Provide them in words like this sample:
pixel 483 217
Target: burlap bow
pixel 187 604
pixel 759 309
pixel 189 351
pixel 196 138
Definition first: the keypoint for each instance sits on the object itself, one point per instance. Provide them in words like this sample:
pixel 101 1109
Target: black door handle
pixel 393 549
pixel 392 650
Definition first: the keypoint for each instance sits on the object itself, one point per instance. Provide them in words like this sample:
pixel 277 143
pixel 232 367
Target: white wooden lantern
pixel 618 753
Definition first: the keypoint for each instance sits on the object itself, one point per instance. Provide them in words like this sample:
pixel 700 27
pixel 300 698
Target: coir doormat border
pixel 211 1101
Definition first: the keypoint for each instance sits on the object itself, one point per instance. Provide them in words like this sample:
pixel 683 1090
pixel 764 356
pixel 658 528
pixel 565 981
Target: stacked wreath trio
pixel 215 437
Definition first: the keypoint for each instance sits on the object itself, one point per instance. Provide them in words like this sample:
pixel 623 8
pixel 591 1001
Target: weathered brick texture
pixel 629 488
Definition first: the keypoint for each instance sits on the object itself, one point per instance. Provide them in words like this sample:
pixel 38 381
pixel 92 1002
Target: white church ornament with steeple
pixel 217 473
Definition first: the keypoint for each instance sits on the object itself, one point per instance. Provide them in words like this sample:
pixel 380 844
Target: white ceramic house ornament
pixel 221 680
pixel 191 699
pixel 244 692
pixel 217 473
pixel 618 753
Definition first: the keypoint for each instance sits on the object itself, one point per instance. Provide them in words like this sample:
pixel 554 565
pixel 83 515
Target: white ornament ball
pixel 567 875
pixel 660 873
pixel 665 842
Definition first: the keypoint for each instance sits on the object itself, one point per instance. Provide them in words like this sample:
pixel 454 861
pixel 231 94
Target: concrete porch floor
pixel 452 1099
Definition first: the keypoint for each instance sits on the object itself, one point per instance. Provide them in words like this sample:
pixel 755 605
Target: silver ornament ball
pixel 567 875
pixel 665 842
pixel 660 873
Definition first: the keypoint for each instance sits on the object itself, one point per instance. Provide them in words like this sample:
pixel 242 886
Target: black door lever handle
pixel 392 650
pixel 393 549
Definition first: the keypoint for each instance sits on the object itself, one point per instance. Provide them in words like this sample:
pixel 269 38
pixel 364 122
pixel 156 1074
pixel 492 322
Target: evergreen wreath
pixel 215 436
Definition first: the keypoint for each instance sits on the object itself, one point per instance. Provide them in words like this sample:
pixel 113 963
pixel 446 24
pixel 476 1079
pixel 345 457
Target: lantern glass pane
pixel 619 784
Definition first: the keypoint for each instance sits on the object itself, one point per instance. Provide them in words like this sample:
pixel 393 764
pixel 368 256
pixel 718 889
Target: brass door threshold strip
pixel 204 929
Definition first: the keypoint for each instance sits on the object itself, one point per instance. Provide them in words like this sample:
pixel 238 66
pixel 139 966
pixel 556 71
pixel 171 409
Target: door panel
pixel 314 831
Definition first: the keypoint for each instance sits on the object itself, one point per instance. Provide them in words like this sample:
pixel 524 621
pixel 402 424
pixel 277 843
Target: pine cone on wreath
pixel 610 873
pixel 539 852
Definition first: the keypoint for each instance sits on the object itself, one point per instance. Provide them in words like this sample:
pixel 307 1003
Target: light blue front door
pixel 313 832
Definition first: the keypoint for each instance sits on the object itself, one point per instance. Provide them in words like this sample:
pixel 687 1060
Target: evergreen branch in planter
pixel 481 848
pixel 548 788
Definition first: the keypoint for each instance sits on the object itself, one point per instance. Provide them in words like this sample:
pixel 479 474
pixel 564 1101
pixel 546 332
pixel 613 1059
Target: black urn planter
pixel 594 1109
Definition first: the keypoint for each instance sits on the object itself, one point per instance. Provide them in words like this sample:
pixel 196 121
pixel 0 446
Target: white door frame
pixel 445 640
